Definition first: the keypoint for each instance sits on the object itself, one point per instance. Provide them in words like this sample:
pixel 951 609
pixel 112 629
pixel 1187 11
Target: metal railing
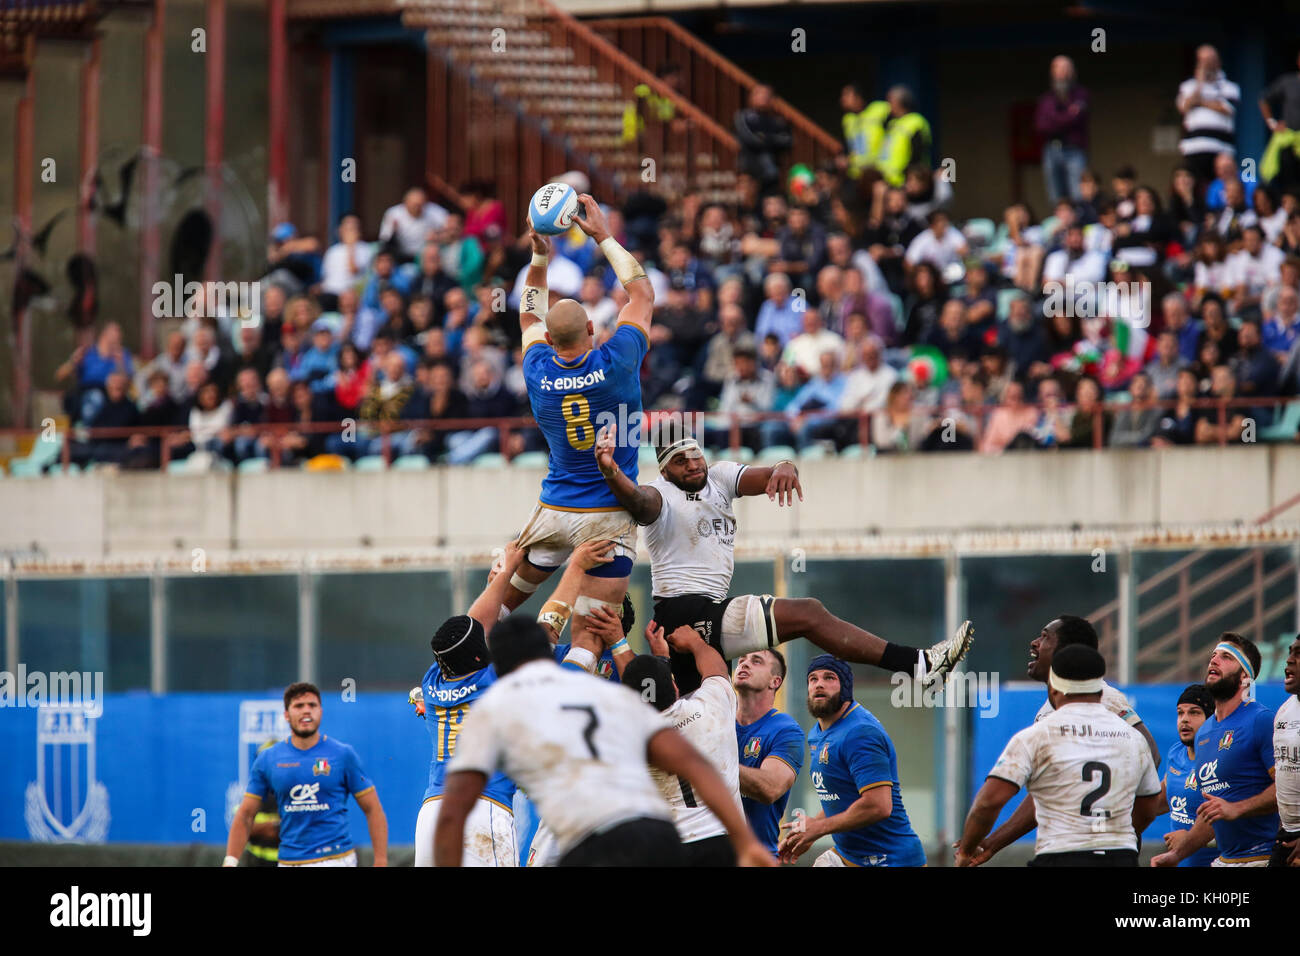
pixel 860 426
pixel 712 82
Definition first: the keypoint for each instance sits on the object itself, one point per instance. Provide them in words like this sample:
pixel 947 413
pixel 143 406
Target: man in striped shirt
pixel 1208 102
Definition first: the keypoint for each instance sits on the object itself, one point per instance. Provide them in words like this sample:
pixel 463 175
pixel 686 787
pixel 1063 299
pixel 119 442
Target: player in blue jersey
pixel 770 743
pixel 855 773
pixel 1180 790
pixel 1234 766
pixel 311 776
pixel 575 389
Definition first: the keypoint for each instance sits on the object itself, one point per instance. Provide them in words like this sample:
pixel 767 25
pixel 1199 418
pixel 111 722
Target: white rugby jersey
pixel 1286 763
pixel 692 543
pixel 1084 768
pixel 1111 698
pixel 575 744
pixel 707 718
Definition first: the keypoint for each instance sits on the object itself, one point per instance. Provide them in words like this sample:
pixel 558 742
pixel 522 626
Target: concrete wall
pixel 100 514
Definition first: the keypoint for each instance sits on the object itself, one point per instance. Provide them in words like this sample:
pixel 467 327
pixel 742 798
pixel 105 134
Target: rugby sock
pixel 900 657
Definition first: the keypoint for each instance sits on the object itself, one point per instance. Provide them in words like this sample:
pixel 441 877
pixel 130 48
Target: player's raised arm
pixel 642 502
pixel 672 753
pixel 240 826
pixel 486 608
pixel 641 296
pixel 780 482
pixel 535 300
pixel 687 640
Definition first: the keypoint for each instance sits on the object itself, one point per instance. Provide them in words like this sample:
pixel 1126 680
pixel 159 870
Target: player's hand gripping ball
pixel 552 209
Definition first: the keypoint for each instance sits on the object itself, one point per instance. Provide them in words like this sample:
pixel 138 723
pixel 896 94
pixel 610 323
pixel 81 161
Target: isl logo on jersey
pixel 321 768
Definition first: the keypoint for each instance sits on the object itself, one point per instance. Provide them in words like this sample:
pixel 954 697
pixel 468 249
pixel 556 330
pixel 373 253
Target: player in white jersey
pixel 706 717
pixel 1056 634
pixel 582 749
pixel 1286 764
pixel 1092 777
pixel 690 532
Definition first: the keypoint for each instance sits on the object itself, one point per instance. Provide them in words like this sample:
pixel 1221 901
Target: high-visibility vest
pixel 864 131
pixel 896 152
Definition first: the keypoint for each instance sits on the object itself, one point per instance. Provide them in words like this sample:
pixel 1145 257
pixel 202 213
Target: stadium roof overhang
pixel 23 21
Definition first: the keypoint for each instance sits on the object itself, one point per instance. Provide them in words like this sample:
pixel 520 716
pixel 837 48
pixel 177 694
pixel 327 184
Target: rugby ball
pixel 552 209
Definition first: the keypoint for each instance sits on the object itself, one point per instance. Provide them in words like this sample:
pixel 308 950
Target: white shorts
pixel 347 859
pixel 829 858
pixel 748 625
pixel 1219 861
pixel 489 834
pixel 544 850
pixel 550 535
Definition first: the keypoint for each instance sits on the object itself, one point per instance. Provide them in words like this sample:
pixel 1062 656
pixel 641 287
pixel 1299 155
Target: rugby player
pixel 1286 756
pixel 583 750
pixel 690 534
pixel 311 776
pixel 1056 634
pixel 572 388
pixel 706 719
pixel 1180 791
pixel 461 674
pixel 1234 766
pixel 770 743
pixel 855 772
pixel 1091 774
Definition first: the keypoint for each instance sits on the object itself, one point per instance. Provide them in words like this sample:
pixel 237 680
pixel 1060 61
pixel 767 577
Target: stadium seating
pixel 774 453
pixel 411 463
pixel 531 459
pixel 1285 428
pixel 491 459
pixel 370 463
pixel 250 466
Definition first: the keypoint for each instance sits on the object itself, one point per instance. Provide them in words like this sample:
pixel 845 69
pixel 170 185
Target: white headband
pixel 1066 686
pixel 681 445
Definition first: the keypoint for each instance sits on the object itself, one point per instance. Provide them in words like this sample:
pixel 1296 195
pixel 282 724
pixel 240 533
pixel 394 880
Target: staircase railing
pixel 711 81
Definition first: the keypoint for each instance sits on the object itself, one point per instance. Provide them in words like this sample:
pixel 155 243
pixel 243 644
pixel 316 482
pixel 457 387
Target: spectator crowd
pixel 818 300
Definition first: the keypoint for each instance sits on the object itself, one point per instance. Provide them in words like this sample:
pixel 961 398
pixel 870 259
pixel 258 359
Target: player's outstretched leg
pixel 808 617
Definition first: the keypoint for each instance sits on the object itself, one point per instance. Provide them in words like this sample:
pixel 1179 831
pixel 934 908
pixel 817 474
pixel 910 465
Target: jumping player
pixel 573 388
pixel 1234 766
pixel 690 534
pixel 1180 790
pixel 1091 774
pixel 311 776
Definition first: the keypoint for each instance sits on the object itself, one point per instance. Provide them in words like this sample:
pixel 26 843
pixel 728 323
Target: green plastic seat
pixel 1284 428
pixel 815 452
pixel 531 459
pixel 411 463
pixel 253 466
pixel 370 463
pixel 980 232
pixel 853 451
pixel 774 453
pixel 490 459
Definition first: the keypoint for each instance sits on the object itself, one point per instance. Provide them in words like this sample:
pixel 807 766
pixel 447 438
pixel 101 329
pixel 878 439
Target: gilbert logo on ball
pixel 552 208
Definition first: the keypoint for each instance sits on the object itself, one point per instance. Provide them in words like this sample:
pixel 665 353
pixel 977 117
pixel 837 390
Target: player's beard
pixel 694 486
pixel 299 732
pixel 1226 687
pixel 827 707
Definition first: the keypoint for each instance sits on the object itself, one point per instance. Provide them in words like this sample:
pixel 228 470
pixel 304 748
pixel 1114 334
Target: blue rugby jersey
pixel 847 759
pixel 778 735
pixel 311 790
pixel 1184 796
pixel 572 401
pixel 446 703
pixel 1234 760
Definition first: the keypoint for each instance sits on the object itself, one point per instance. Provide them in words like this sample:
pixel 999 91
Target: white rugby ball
pixel 552 209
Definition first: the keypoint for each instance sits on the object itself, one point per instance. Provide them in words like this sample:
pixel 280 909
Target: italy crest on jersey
pixel 825 756
pixel 1226 740
pixel 753 747
pixel 321 768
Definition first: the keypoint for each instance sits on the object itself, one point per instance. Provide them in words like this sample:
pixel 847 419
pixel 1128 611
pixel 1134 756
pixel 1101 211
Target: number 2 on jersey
pixel 592 723
pixel 1091 769
pixel 577 422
